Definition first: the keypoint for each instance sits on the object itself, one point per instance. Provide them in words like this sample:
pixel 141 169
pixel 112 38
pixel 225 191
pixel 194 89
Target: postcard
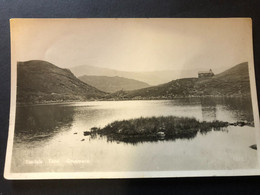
pixel 132 98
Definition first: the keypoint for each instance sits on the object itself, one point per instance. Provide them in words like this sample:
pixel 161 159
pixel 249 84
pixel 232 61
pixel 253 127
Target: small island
pixel 155 128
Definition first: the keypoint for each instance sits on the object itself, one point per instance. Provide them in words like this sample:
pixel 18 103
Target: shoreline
pixel 127 99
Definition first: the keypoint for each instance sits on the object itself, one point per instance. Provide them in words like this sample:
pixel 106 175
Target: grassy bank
pixel 156 128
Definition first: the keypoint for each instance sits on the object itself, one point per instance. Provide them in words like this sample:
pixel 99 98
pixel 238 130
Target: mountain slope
pixel 40 81
pixel 113 84
pixel 152 77
pixel 232 82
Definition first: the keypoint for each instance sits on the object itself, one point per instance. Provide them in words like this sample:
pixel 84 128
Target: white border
pixel 101 175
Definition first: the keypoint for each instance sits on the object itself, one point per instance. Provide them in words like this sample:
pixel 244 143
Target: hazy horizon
pixel 135 45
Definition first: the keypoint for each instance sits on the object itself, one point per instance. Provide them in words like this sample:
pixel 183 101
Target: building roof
pixel 205 72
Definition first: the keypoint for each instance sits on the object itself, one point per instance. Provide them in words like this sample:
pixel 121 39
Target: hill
pixel 113 84
pixel 232 82
pixel 40 81
pixel 152 77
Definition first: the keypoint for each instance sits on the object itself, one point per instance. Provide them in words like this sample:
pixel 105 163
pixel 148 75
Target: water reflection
pixel 209 109
pixel 239 107
pixel 139 140
pixel 39 123
pixel 54 132
pixel 42 122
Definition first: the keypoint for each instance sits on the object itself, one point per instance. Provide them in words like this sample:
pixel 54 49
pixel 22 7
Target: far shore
pixel 125 99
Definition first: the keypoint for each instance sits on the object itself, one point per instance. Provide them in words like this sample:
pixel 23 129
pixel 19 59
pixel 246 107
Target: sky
pixel 134 44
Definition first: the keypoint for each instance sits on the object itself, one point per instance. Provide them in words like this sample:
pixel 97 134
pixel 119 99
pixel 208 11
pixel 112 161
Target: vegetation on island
pixel 156 128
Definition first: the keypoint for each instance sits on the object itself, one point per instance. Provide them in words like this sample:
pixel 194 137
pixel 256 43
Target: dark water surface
pixel 50 137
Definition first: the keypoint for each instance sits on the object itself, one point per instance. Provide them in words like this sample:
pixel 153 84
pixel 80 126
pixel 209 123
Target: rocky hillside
pixel 232 82
pixel 113 84
pixel 40 81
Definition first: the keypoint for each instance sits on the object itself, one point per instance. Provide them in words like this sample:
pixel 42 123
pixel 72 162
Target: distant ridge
pixel 232 82
pixel 113 84
pixel 149 77
pixel 40 81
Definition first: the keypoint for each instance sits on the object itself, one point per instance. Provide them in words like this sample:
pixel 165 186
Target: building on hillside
pixel 205 74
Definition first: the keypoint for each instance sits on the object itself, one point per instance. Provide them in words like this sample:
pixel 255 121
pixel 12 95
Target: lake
pixel 50 137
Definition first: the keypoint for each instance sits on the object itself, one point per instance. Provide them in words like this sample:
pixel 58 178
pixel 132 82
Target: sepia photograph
pixel 132 98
